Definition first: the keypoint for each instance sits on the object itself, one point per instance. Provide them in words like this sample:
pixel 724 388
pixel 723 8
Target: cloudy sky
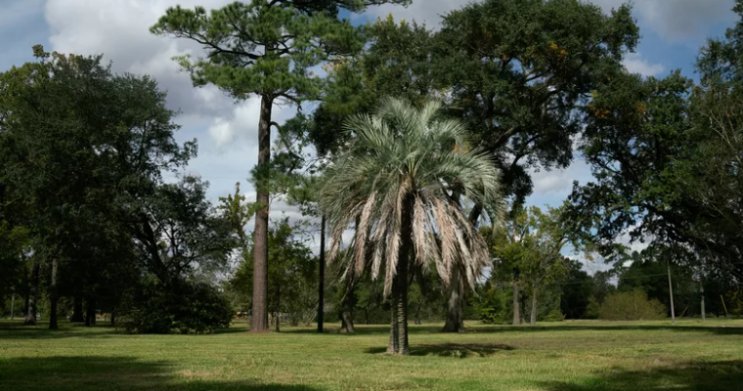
pixel 672 33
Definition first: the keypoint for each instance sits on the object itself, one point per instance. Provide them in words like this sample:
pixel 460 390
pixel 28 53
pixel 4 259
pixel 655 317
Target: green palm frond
pixel 409 163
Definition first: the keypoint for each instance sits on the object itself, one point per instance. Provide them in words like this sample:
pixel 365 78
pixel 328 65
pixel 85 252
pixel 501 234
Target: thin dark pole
pixel 321 289
pixel 670 292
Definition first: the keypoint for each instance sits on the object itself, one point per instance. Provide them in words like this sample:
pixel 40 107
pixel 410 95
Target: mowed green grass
pixel 567 356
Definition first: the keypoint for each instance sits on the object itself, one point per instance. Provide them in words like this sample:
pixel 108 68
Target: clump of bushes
pixel 554 316
pixel 186 308
pixel 631 306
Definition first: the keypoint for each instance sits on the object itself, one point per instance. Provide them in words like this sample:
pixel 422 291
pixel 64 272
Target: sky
pixel 672 32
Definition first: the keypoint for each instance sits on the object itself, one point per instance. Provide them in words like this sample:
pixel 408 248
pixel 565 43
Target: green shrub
pixel 187 308
pixel 631 306
pixel 592 309
pixel 491 307
pixel 554 316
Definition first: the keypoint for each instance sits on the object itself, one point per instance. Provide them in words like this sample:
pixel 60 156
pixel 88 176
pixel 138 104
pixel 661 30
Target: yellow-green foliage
pixel 631 306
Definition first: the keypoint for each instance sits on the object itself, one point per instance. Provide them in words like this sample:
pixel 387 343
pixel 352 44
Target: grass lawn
pixel 568 356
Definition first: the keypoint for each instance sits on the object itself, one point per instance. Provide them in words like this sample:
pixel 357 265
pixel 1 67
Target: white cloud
pixel 635 64
pixel 674 20
pixel 559 183
pixel 679 20
pixel 422 11
pixel 119 29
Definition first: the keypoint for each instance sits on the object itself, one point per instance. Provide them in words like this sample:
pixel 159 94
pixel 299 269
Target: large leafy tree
pixel 518 70
pixel 264 48
pixel 84 151
pixel 395 183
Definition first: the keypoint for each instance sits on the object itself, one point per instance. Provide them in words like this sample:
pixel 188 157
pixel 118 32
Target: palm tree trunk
pixel 53 295
pixel 399 328
pixel 33 295
pixel 516 294
pixel 534 308
pixel 259 318
pixel 454 318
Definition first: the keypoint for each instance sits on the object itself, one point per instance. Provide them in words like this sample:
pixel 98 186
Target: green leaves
pixel 406 163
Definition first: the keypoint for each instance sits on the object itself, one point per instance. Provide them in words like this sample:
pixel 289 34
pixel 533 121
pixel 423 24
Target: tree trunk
pixel 454 317
pixel 53 295
pixel 278 308
pixel 522 301
pixel 321 288
pixel 418 313
pixel 113 318
pixel 399 328
pixel 259 318
pixel 670 292
pixel 347 324
pixel 77 309
pixel 704 312
pixel 33 295
pixel 534 304
pixel 516 296
pixel 90 313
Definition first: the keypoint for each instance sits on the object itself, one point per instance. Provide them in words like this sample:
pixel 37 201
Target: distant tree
pixel 576 291
pixel 395 179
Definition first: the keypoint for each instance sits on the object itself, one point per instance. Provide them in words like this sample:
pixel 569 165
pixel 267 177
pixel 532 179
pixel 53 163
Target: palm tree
pixel 400 182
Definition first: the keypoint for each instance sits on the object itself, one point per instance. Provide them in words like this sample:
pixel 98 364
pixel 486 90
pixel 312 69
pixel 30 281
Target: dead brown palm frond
pixel 400 168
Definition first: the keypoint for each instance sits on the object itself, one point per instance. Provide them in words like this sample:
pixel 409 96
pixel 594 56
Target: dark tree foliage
pixel 518 70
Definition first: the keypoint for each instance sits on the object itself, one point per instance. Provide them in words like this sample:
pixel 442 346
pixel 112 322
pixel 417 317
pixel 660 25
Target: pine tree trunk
pixel 534 306
pixel 33 295
pixel 259 318
pixel 454 317
pixel 53 295
pixel 77 309
pixel 516 295
pixel 321 287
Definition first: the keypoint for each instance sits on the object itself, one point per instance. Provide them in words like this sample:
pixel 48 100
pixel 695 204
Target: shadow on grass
pixel 452 350
pixel 436 329
pixel 93 373
pixel 693 376
pixel 17 330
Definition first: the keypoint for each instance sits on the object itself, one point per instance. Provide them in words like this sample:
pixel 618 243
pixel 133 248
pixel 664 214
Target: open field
pixel 568 356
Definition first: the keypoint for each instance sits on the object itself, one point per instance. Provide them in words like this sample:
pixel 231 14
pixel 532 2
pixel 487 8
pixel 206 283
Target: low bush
pixel 631 306
pixel 186 308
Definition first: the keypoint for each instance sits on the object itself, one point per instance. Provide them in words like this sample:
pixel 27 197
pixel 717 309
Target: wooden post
pixel 670 292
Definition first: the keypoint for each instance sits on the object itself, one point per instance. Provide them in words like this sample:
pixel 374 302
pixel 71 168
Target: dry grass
pixel 568 356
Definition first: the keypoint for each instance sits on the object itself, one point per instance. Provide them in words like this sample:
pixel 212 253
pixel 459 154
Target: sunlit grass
pixel 567 356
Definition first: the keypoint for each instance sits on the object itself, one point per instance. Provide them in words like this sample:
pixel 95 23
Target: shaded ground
pixel 570 356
